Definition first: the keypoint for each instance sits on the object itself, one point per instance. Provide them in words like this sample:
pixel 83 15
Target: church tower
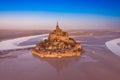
pixel 57 27
pixel 58 30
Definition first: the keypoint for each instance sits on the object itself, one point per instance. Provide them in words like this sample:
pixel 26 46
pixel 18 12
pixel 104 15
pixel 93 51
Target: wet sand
pixel 113 45
pixel 97 63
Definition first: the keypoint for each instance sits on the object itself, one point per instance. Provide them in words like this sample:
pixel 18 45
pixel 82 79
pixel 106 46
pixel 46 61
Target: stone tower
pixel 57 26
pixel 58 30
pixel 58 34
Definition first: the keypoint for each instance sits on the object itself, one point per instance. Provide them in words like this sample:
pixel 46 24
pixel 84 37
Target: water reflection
pixel 61 64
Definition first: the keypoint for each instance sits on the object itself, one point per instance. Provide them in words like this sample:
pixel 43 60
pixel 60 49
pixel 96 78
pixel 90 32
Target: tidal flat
pixel 96 63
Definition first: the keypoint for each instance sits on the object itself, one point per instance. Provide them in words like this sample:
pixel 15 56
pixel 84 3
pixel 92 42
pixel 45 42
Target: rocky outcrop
pixel 58 45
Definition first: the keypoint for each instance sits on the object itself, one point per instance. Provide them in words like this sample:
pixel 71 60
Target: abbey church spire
pixel 58 30
pixel 57 26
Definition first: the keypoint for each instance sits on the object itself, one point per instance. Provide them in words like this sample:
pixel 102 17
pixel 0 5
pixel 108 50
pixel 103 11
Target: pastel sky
pixel 71 14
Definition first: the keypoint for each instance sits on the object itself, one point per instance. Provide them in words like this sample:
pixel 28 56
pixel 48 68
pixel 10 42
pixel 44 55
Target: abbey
pixel 58 34
pixel 59 45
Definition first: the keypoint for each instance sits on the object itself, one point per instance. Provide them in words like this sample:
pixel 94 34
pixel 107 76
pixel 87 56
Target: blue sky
pixel 104 11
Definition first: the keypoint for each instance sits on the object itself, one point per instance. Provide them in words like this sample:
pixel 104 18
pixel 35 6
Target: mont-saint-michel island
pixel 58 45
pixel 84 45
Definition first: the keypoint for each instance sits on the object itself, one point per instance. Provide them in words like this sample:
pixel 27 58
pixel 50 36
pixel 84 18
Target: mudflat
pixel 97 62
